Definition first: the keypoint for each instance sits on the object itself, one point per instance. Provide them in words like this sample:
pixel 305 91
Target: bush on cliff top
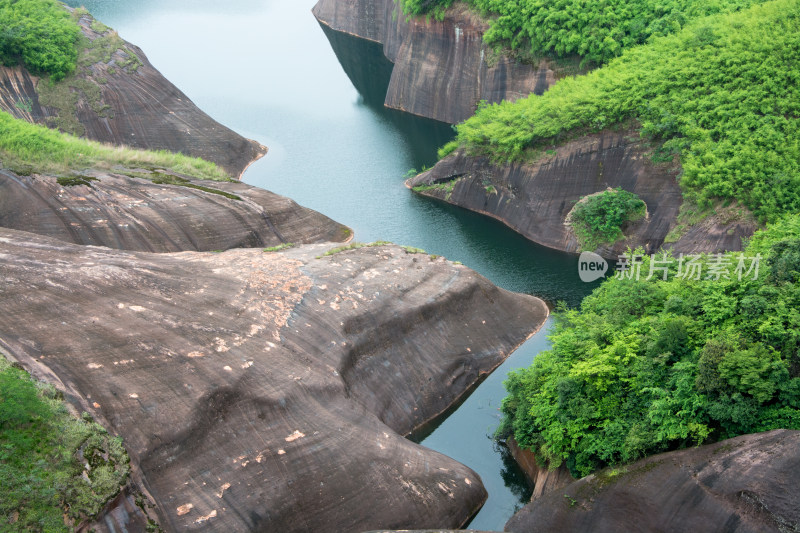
pixel 649 366
pixel 724 93
pixel 426 7
pixel 41 34
pixel 27 148
pixel 595 31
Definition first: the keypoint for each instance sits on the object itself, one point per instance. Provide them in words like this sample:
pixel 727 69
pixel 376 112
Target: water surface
pixel 267 69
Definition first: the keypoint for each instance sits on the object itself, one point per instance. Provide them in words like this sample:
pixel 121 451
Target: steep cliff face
pixel 118 97
pixel 128 213
pixel 441 69
pixel 266 391
pixel 746 484
pixel 535 198
pixel 542 479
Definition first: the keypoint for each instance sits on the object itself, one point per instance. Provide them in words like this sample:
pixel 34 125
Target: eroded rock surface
pixel 123 100
pixel 266 391
pixel 746 484
pixel 442 69
pixel 128 213
pixel 535 198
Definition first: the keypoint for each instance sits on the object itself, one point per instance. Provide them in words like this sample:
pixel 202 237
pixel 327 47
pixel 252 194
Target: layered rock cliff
pixel 116 96
pixel 535 198
pixel 746 484
pixel 442 69
pixel 266 391
pixel 123 212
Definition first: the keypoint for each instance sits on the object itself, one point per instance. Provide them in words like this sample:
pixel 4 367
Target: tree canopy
pixel 41 34
pixel 646 366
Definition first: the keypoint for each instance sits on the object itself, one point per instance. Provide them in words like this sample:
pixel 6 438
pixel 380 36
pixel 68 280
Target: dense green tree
pixel 646 366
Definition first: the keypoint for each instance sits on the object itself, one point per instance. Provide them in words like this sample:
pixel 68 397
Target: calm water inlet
pixel 267 69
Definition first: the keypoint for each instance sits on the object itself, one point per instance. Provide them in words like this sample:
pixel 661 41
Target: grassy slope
pixel 43 453
pixel 27 148
pixel 724 93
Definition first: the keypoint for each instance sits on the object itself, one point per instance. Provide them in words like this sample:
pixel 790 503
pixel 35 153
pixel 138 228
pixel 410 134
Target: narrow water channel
pixel 267 69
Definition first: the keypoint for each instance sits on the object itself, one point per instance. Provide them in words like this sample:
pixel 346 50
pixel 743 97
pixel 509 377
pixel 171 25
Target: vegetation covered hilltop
pixel 723 94
pixel 44 37
pixel 595 31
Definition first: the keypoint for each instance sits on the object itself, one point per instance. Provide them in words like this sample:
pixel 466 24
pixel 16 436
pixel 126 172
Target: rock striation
pixel 118 97
pixel 128 213
pixel 266 391
pixel 535 198
pixel 442 69
pixel 746 484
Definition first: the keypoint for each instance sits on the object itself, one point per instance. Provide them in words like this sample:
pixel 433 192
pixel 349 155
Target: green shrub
pixel 724 93
pixel 436 8
pixel 650 366
pixel 39 33
pixel 447 187
pixel 352 246
pixel 598 219
pixel 73 181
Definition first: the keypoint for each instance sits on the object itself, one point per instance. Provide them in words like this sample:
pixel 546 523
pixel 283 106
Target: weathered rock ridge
pixel 535 198
pixel 746 484
pixel 266 391
pixel 128 213
pixel 122 99
pixel 441 69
